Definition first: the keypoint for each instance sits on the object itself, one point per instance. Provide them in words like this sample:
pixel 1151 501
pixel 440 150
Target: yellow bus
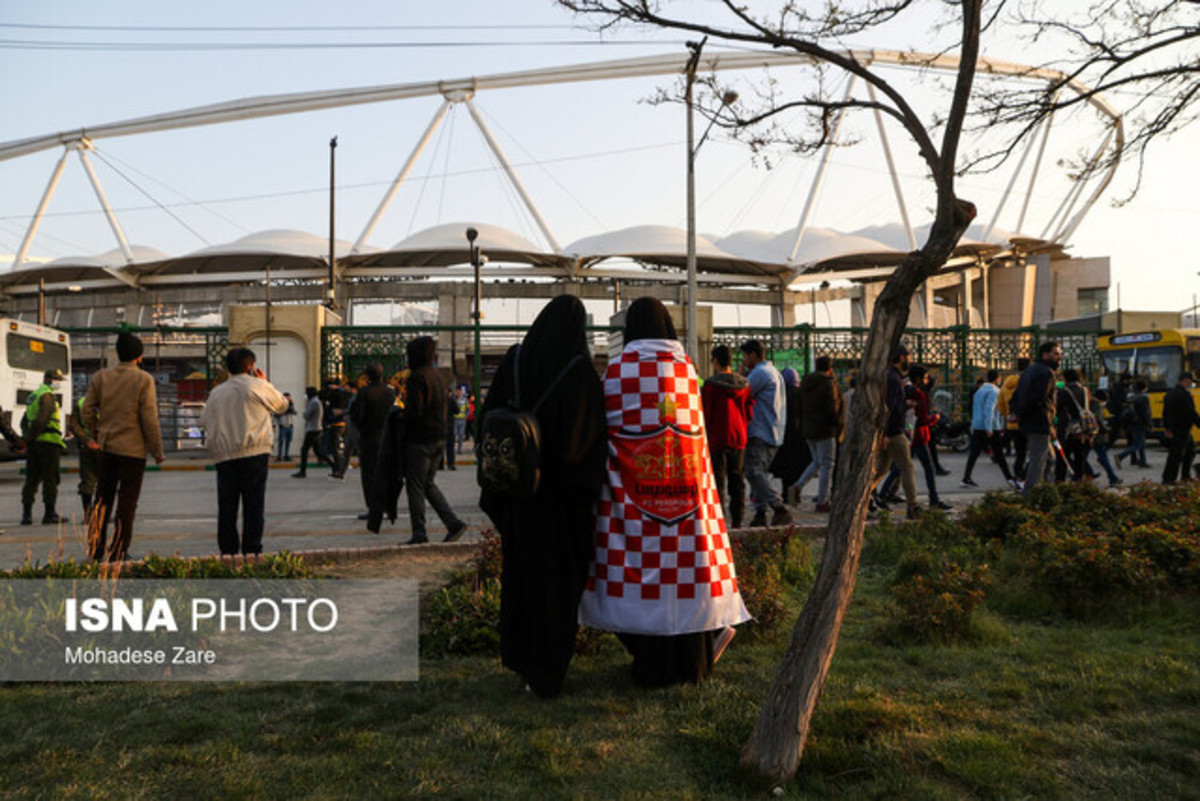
pixel 1158 357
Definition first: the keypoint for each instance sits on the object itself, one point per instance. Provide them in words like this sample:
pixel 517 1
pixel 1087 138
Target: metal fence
pixel 958 355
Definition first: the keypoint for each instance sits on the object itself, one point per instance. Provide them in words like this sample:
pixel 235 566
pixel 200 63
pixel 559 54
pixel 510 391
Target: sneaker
pixel 760 519
pixel 337 477
pixel 945 507
pixel 967 482
pixel 51 518
pixel 782 516
pixel 1017 484
pixel 455 533
pixel 941 471
pixel 1115 482
pixel 1120 458
pixel 821 508
pixel 299 475
pixel 365 516
pixel 914 513
pixel 415 541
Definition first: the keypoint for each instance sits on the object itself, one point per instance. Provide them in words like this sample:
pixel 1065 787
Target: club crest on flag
pixel 660 471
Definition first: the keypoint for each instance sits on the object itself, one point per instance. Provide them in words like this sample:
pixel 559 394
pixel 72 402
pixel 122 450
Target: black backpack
pixel 508 453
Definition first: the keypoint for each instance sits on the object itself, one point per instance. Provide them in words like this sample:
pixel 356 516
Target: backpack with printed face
pixel 508 459
pixel 1087 426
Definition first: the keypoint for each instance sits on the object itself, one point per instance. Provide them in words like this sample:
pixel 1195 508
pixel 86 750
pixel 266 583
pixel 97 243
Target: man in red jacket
pixel 728 406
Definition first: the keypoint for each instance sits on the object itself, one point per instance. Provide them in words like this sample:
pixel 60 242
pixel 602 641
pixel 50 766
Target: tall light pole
pixel 472 235
pixel 693 147
pixel 693 340
pixel 331 291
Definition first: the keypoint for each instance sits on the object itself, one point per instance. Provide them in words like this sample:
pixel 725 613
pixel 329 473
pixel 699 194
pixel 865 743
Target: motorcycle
pixel 952 434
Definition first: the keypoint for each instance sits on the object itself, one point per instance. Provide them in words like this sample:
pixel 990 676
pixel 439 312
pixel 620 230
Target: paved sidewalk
pixel 177 511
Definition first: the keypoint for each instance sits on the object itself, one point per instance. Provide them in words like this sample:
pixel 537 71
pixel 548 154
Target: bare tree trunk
pixel 778 740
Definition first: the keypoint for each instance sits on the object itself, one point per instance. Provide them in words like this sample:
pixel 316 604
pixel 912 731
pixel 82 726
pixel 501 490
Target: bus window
pixel 1193 355
pixel 35 355
pixel 1159 366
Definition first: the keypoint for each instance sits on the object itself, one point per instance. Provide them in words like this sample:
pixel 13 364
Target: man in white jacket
pixel 237 424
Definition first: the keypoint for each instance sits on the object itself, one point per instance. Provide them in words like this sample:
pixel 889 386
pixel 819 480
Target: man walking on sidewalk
pixel 312 432
pixel 987 430
pixel 237 420
pixel 1035 405
pixel 764 433
pixel 121 411
pixel 369 415
pixel 425 427
pixel 727 405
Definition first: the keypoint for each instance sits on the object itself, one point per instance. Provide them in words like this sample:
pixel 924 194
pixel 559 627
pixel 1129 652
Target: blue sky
pixel 594 156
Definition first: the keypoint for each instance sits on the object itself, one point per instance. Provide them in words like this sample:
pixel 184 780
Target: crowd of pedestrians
pixel 642 472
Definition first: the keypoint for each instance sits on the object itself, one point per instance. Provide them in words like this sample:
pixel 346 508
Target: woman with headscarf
pixel 662 576
pixel 793 455
pixel 546 541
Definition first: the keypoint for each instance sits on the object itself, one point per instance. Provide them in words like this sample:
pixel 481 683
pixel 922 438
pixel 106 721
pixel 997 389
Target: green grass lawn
pixel 1063 710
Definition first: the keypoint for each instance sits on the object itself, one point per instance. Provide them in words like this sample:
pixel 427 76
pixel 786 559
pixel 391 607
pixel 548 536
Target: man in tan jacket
pixel 121 408
pixel 237 426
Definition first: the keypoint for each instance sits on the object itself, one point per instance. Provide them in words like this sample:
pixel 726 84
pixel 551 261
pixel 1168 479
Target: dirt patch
pixel 430 565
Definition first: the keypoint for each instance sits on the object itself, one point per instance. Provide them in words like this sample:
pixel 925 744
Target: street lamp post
pixel 472 235
pixel 693 341
pixel 331 291
pixel 693 147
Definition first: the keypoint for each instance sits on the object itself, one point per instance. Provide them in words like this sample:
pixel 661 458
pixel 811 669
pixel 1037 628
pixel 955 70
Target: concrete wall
pixel 1067 277
pixel 247 323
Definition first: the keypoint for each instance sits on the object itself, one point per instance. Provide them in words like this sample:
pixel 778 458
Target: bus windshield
pixel 1160 366
pixel 35 355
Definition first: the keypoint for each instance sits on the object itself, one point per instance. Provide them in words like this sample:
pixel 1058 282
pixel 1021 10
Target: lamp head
pixel 472 235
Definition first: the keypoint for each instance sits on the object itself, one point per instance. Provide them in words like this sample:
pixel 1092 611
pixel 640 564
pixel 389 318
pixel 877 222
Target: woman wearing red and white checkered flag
pixel 662 576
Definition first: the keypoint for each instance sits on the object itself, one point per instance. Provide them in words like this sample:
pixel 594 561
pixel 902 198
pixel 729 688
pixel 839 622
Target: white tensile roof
pixel 666 245
pixel 446 244
pixel 279 249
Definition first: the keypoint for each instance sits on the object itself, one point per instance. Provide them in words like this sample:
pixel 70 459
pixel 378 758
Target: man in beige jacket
pixel 237 425
pixel 121 407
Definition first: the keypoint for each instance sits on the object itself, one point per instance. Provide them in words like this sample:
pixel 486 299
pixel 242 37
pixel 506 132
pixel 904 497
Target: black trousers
pixel 729 472
pixel 368 459
pixel 1180 453
pixel 312 441
pixel 41 467
pixel 981 440
pixel 119 477
pixel 244 482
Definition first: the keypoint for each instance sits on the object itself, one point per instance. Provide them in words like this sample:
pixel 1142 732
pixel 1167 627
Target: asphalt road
pixel 177 511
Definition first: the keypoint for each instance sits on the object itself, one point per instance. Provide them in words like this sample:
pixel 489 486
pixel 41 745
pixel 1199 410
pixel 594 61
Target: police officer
pixel 44 426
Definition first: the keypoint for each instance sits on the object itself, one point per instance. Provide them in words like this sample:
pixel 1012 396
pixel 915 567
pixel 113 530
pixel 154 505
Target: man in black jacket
pixel 369 414
pixel 425 426
pixel 1034 400
pixel 1179 416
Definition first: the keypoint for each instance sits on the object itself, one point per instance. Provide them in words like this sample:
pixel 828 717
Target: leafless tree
pixel 1140 56
pixel 778 740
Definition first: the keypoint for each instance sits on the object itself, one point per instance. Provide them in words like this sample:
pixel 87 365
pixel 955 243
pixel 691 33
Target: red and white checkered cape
pixel 648 576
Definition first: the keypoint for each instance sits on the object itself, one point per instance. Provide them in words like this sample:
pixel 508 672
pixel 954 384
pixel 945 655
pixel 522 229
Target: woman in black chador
pixel 548 541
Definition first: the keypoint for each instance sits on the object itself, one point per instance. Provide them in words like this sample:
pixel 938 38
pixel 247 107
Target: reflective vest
pixel 53 431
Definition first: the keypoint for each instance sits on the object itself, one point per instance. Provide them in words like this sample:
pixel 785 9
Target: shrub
pixel 936 594
pixel 769 565
pixel 463 620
